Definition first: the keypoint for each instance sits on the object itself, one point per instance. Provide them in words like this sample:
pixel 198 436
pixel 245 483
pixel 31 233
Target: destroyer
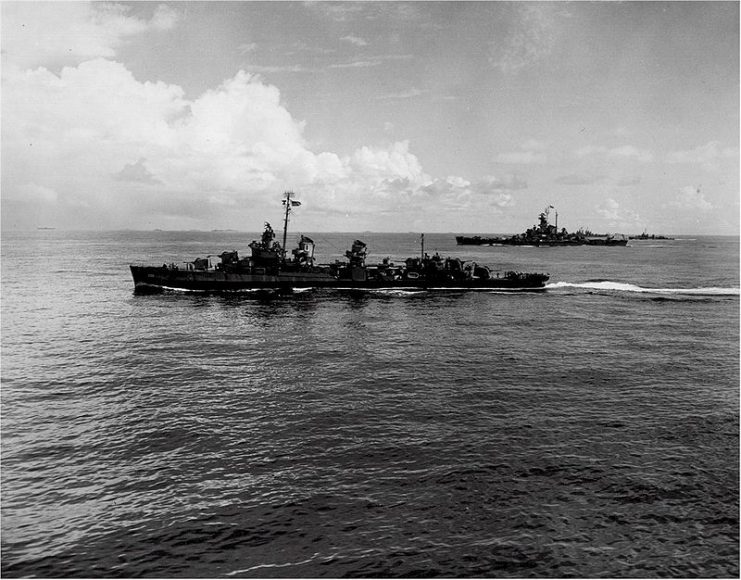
pixel 269 267
pixel 546 234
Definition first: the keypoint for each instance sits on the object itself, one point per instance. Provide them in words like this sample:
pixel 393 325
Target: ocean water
pixel 587 431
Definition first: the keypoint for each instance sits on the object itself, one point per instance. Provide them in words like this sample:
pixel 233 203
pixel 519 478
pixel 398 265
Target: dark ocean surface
pixel 590 430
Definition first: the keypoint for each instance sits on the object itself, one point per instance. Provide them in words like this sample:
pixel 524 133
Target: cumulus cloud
pixel 83 138
pixel 72 132
pixel 375 163
pixel 90 136
pixel 164 18
pixel 617 216
pixel 136 172
pixel 99 138
pixel 609 209
pixel 457 193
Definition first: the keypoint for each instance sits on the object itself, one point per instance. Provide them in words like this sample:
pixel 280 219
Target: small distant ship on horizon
pixel 546 234
pixel 646 236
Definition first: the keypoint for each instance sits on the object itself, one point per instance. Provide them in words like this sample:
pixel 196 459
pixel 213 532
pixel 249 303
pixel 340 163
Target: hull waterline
pixel 152 279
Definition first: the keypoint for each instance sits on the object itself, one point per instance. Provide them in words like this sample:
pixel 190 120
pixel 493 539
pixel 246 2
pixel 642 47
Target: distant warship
pixel 546 234
pixel 270 268
pixel 645 236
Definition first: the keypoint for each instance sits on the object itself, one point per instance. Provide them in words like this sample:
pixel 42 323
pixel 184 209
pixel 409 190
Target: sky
pixel 467 117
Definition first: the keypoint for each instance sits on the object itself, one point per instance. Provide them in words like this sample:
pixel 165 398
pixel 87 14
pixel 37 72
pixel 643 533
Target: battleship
pixel 270 267
pixel 547 234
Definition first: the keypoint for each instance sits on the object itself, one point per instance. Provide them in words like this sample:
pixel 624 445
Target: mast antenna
pixel 289 203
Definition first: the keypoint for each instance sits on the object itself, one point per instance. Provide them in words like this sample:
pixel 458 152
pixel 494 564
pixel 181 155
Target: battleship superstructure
pixel 547 234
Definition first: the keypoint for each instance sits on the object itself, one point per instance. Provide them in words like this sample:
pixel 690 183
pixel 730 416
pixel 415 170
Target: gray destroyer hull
pixel 148 279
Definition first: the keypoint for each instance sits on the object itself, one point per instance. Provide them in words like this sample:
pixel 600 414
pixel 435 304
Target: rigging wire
pixel 322 240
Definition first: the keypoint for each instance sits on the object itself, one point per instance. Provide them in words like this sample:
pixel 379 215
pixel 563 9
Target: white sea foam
pixel 397 291
pixel 201 291
pixel 623 287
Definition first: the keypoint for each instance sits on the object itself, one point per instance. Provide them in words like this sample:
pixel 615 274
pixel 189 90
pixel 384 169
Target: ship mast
pixel 289 203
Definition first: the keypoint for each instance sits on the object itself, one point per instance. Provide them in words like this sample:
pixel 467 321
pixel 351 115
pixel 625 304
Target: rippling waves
pixel 591 430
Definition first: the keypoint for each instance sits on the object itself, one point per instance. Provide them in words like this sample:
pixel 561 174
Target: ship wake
pixel 608 286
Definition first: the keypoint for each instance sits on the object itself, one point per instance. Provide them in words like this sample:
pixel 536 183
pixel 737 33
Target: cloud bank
pixel 89 144
pixel 100 137
pixel 93 143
